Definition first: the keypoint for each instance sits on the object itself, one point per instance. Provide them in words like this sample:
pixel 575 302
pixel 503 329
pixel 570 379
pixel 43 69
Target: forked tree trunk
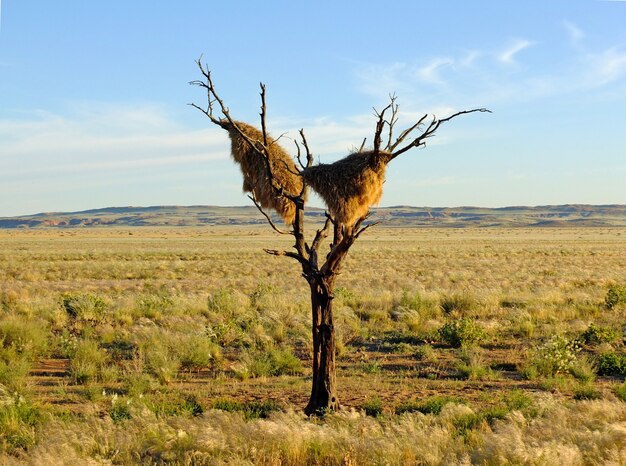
pixel 323 391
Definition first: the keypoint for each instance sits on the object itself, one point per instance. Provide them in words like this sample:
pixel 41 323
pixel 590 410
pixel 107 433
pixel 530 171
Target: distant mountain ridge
pixel 580 215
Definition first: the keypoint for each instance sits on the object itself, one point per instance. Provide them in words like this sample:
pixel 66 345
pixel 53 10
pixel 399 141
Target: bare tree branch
pixel 362 146
pixel 267 217
pixel 369 225
pixel 406 132
pixel 309 154
pixel 293 255
pixel 428 132
pixel 263 113
pixel 380 126
pixel 394 118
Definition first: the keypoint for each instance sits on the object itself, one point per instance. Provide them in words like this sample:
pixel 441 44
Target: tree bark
pixel 323 391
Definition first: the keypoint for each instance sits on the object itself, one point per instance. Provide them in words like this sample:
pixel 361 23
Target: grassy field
pixel 192 346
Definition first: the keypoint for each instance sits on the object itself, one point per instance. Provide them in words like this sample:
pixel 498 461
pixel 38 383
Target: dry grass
pixel 578 434
pixel 142 331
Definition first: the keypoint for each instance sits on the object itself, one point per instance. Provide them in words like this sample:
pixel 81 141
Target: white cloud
pixel 508 55
pixel 430 72
pixel 110 138
pixel 575 33
pixel 609 65
pixel 470 58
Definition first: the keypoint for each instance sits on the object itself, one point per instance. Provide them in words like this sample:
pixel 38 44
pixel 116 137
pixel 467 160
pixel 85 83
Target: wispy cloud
pixel 507 56
pixel 111 138
pixel 609 65
pixel 430 72
pixel 574 32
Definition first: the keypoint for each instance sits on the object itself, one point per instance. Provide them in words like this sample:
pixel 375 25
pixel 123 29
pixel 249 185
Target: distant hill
pixel 578 215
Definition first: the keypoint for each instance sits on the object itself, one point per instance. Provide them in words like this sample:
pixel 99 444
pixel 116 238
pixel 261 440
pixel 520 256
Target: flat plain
pixel 468 345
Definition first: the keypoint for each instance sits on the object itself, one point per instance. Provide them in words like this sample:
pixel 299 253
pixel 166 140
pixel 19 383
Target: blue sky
pixel 94 94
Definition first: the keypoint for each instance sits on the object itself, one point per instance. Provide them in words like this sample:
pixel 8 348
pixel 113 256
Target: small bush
pixel 84 307
pixel 161 362
pixel 620 391
pixel 14 369
pixel 152 306
pixel 173 403
pixel 26 337
pixel 88 362
pixel 556 356
pixel 432 405
pixel 587 392
pixel 250 409
pixel 18 422
pixel 584 369
pixel 462 332
pixel 596 334
pixel 119 410
pixel 518 400
pixel 615 295
pixel 198 352
pixel 472 366
pixel 611 363
pixel 467 422
pixel 271 363
pixel 225 302
pixel 373 407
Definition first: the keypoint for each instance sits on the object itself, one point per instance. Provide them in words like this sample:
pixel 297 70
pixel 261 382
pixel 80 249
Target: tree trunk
pixel 323 392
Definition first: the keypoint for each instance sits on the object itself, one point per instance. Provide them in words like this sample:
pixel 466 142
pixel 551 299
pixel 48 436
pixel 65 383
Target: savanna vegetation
pixel 192 346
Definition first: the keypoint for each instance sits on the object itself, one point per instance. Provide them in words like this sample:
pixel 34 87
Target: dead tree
pixel 349 187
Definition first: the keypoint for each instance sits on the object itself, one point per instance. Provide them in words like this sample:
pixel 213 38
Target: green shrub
pixel 197 352
pixel 556 356
pixel 224 302
pixel 518 400
pixel 18 422
pixel 14 368
pixel 88 362
pixel 472 366
pixel 152 306
pixel 467 422
pixel 270 363
pixel 584 369
pixel 173 403
pixel 587 392
pixel 461 332
pixel 85 307
pixel 249 409
pixel 596 334
pixel 615 295
pixel 119 410
pixel 432 405
pixel 373 407
pixel 620 391
pixel 611 363
pixel 161 361
pixel 27 337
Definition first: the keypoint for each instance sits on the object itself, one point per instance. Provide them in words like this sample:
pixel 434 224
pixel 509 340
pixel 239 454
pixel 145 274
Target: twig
pixel 269 220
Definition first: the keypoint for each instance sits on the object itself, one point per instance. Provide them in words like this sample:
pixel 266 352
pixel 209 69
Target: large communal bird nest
pixel 256 177
pixel 350 185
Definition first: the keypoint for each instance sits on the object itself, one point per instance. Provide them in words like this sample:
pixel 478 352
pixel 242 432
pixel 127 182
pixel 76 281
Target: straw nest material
pixel 351 185
pixel 255 174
